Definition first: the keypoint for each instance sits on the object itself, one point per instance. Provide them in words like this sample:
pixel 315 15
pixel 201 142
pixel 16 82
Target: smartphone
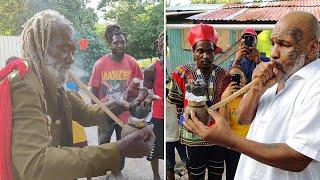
pixel 248 40
pixel 235 78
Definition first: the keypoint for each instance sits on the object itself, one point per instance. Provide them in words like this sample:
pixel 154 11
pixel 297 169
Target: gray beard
pixel 295 68
pixel 57 73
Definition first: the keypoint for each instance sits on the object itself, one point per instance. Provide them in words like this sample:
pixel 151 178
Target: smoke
pixel 77 69
pixel 80 73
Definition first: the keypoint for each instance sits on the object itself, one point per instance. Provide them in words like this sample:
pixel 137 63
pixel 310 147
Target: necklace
pixel 209 80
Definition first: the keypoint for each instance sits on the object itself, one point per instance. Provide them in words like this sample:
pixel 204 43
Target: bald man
pixel 284 108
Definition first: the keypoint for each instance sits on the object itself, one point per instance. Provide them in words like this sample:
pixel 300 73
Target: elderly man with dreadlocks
pixel 39 112
pixel 110 77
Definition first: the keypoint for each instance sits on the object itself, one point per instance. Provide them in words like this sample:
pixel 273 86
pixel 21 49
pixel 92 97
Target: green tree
pixel 15 13
pixel 142 21
pixel 12 16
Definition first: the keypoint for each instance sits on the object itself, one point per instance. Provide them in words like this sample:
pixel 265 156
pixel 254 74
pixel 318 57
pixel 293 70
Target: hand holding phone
pixel 248 40
pixel 235 78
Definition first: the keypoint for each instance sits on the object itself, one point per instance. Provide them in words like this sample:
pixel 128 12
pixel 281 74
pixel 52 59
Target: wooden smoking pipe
pixel 95 99
pixel 234 95
pixel 243 89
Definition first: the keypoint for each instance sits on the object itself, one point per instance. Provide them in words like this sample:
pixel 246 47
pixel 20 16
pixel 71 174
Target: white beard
pixel 295 68
pixel 58 73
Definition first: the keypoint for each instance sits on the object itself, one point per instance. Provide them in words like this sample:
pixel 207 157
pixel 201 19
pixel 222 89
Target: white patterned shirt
pixel 293 117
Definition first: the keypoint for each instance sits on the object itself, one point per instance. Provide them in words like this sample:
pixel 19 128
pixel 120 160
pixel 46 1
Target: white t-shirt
pixel 293 117
pixel 172 126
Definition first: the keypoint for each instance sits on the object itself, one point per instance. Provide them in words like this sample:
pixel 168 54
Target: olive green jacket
pixel 39 152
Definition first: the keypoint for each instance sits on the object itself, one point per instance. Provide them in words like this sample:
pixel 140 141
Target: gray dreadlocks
pixel 36 35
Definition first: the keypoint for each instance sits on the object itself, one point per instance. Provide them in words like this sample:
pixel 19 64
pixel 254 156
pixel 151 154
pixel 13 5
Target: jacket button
pixel 57 122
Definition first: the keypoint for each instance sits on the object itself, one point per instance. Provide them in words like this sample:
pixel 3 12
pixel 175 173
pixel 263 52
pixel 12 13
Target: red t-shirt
pixel 112 78
pixel 158 85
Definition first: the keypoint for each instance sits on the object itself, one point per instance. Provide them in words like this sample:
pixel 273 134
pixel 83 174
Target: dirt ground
pixel 135 169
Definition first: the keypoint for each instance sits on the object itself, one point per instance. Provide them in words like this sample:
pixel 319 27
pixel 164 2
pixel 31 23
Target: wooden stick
pixel 95 99
pixel 234 95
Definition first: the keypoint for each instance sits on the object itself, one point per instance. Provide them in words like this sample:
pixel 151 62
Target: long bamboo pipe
pixel 95 99
pixel 244 89
pixel 234 95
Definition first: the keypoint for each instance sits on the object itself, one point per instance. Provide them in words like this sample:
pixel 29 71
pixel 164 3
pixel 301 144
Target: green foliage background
pixel 142 21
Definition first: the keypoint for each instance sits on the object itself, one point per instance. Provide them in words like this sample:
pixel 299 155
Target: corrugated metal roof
pixel 216 15
pixel 194 7
pixel 289 3
pixel 266 11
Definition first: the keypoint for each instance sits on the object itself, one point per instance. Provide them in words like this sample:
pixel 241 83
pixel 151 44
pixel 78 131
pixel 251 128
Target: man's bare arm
pixel 149 76
pixel 248 107
pixel 267 75
pixel 278 155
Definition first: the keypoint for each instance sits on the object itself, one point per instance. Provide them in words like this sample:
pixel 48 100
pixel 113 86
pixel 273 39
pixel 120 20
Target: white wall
pixel 9 46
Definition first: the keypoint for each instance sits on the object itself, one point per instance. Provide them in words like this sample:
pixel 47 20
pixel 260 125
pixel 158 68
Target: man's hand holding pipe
pixel 137 144
pixel 268 74
pixel 219 133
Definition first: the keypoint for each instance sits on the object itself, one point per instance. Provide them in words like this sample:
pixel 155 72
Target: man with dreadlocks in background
pixel 110 77
pixel 40 110
pixel 154 81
